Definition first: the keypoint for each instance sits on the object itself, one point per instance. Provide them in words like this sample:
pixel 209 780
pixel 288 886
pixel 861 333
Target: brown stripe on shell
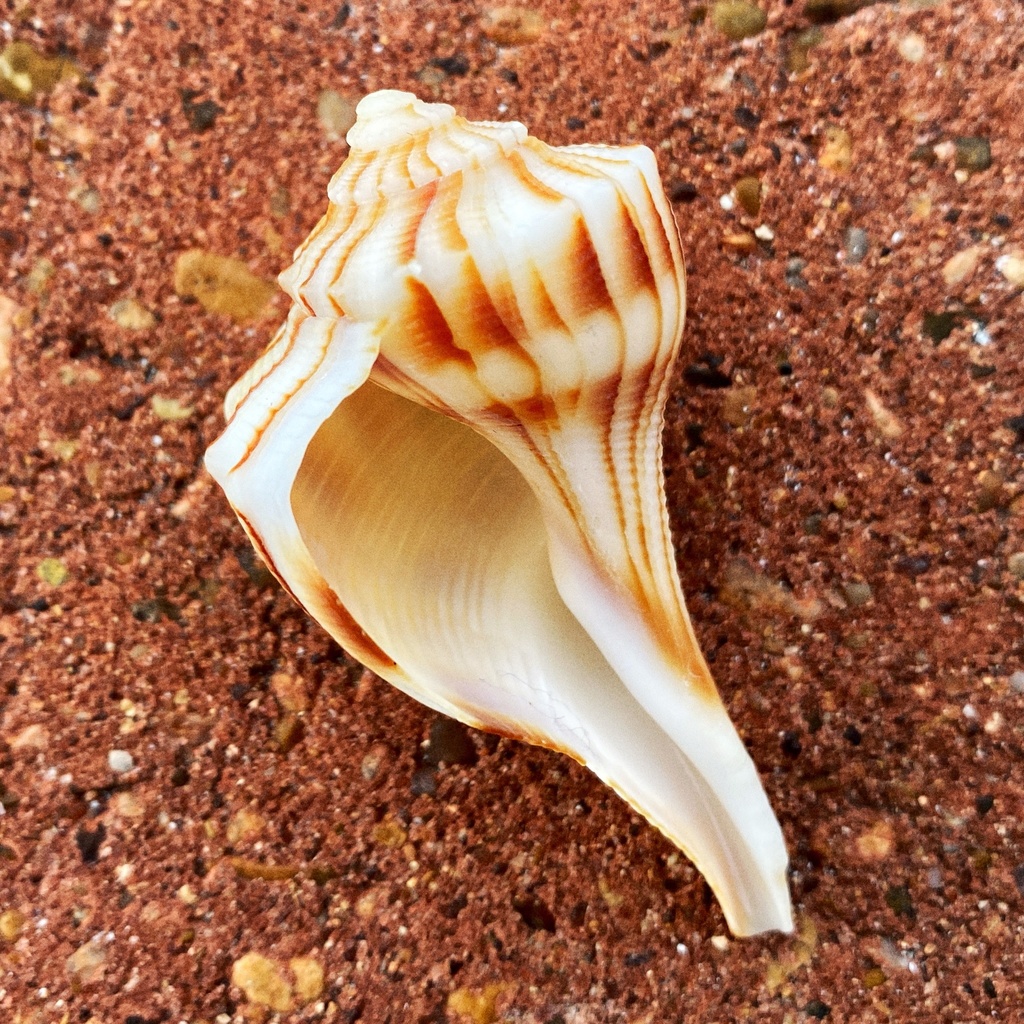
pixel 534 411
pixel 528 179
pixel 426 331
pixel 483 327
pixel 635 257
pixel 350 634
pixel 543 308
pixel 590 290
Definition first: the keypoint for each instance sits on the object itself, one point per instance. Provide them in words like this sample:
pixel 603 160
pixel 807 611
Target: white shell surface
pixel 450 455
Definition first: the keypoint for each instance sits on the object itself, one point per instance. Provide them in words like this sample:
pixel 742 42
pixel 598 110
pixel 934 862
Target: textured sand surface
pixel 194 778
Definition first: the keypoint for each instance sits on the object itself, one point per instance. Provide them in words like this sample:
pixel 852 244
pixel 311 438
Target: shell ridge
pixel 306 350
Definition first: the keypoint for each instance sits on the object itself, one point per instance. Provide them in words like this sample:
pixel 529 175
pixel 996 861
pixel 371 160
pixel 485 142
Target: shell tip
pixel 387 116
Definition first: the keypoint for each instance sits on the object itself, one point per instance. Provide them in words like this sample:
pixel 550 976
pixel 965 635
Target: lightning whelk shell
pixel 450 454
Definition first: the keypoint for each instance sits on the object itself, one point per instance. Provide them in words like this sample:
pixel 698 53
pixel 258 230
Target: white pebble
pixel 120 761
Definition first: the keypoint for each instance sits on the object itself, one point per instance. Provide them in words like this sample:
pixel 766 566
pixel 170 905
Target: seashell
pixel 450 455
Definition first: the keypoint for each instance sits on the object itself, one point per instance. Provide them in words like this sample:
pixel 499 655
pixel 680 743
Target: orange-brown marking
pixel 590 290
pixel 427 332
pixel 549 155
pixel 543 307
pixel 634 253
pixel 483 327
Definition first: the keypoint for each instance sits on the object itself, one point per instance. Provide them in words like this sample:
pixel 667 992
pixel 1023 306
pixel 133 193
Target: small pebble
pixel 856 245
pixel 962 266
pixel 748 193
pixel 263 981
pixel 837 150
pixel 512 25
pixel 120 761
pixel 222 284
pixel 132 315
pixel 912 47
pixel 738 19
pixel 336 113
pixel 87 963
pixel 973 153
pixel 1011 267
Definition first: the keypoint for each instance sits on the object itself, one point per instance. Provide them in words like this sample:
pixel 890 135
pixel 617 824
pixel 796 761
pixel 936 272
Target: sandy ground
pixel 211 813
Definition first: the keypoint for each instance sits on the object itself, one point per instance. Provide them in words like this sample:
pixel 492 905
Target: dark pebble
pixel 973 153
pixel 852 735
pixel 939 326
pixel 924 154
pixel 202 115
pixel 746 118
pixel 574 124
pixel 342 16
pixel 795 268
pixel 154 609
pixel 1018 878
pixel 913 565
pixel 450 742
pixel 683 192
pixel 990 988
pixel 1016 424
pixel 816 1008
pixel 457 65
pixel 821 12
pixel 791 745
pixel 897 898
pixel 89 843
pixel 639 959
pixel 694 436
pixel 704 376
pixel 984 804
pixel 534 912
pixel 123 413
pixel 979 371
pixel 454 907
